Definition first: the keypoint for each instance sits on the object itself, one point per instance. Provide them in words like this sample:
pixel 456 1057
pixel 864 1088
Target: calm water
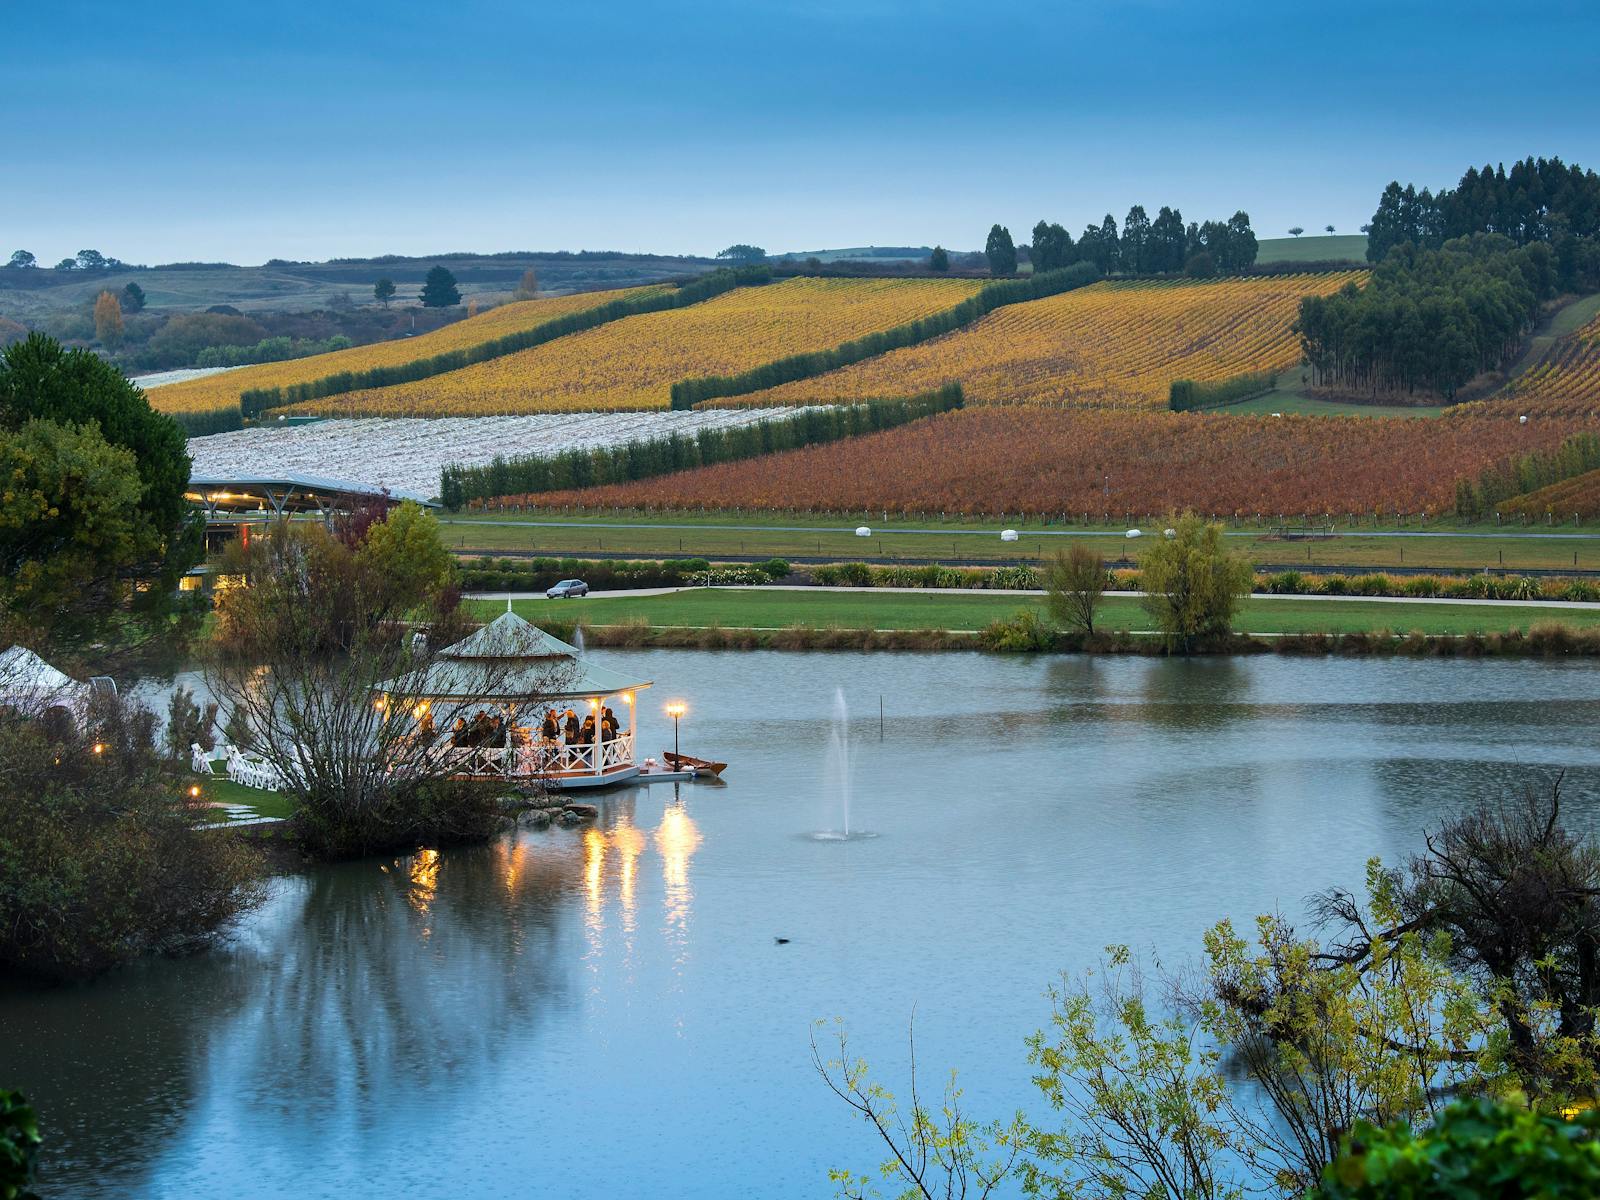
pixel 605 1012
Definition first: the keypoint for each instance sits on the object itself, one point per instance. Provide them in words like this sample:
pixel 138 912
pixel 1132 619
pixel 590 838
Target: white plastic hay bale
pixel 1133 533
pixel 863 531
pixel 1522 420
pixel 1171 533
pixel 1008 535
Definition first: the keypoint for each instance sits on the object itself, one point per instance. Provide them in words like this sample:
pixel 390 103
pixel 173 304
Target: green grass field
pixel 727 534
pixel 734 608
pixel 1313 247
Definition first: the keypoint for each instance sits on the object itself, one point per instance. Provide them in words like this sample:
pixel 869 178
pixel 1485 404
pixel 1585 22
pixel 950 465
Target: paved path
pixel 800 587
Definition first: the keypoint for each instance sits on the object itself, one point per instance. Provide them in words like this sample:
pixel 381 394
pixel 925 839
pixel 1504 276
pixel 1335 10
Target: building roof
pixel 278 494
pixel 510 659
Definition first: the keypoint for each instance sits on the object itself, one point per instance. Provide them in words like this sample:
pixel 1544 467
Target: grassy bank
pixel 704 608
pixel 1449 546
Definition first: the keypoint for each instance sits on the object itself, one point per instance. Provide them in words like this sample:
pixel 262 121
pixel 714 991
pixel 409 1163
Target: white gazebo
pixel 32 686
pixel 520 672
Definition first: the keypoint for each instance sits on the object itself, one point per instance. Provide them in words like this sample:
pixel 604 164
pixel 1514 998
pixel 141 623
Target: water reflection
pixel 478 1018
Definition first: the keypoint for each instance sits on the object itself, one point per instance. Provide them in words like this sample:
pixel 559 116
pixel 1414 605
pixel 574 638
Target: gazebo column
pixel 633 728
pixel 599 736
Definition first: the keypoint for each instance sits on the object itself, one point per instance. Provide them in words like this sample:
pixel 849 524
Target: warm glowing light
pixel 676 709
pixel 424 877
pixel 194 791
pixel 594 704
pixel 422 709
pixel 99 747
pixel 627 697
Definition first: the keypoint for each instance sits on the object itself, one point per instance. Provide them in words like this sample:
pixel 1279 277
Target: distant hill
pixel 295 286
pixel 881 253
pixel 1341 247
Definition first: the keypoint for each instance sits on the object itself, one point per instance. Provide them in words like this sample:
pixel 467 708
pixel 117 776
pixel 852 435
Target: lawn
pixel 735 608
pixel 225 790
pixel 831 538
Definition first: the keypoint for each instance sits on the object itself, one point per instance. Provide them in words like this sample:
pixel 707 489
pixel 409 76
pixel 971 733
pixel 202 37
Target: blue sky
pixel 177 130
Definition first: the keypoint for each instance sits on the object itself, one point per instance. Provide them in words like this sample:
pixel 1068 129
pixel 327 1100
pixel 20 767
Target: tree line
pixel 687 393
pixel 534 473
pixel 1524 473
pixel 1162 246
pixel 254 401
pixel 1537 200
pixel 1429 320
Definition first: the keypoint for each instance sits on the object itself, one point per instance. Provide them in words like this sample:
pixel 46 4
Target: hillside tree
pixel 22 258
pixel 743 252
pixel 1001 251
pixel 132 298
pixel 108 320
pixel 1328 229
pixel 92 260
pixel 439 289
pixel 1296 231
pixel 67 264
pixel 1052 247
pixel 527 286
pixel 383 291
pixel 1135 241
pixel 1168 241
pixel 939 260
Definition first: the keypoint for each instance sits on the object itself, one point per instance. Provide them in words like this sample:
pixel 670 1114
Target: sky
pixel 171 131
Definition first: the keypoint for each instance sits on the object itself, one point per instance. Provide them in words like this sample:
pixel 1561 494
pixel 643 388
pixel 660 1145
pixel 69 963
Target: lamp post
pixel 675 710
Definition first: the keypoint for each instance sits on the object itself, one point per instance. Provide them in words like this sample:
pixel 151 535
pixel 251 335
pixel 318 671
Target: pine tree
pixel 133 298
pixel 1001 251
pixel 939 260
pixel 439 289
pixel 383 291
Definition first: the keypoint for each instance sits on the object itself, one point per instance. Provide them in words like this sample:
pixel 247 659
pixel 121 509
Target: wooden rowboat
pixel 684 762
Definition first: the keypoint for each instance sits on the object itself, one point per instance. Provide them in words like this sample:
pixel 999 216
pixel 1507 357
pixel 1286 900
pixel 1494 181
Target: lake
pixel 606 1011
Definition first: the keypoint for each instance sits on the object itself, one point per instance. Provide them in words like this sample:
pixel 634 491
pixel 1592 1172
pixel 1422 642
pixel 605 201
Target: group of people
pixel 569 730
pixel 557 728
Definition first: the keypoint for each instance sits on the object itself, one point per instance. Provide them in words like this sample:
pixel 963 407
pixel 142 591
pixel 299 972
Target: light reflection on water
pixel 484 1019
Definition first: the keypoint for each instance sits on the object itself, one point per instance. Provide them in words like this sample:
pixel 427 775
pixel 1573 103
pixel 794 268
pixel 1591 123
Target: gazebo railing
pixel 541 759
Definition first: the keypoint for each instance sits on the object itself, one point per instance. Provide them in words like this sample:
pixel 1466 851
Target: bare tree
pixel 330 657
pixel 1074 583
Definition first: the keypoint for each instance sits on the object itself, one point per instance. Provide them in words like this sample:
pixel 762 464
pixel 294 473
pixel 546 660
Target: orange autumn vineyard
pixel 1038 461
pixel 633 363
pixel 1115 344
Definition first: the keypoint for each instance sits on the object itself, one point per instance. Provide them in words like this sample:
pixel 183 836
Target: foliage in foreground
pixel 99 859
pixel 19 1146
pixel 1283 1061
pixel 1476 1150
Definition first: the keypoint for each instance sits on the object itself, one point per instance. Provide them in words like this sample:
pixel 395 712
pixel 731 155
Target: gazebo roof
pixel 510 659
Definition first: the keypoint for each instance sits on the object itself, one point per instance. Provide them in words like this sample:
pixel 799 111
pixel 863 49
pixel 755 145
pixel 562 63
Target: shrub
pixel 1475 1150
pixel 774 568
pixel 1026 631
pixel 99 858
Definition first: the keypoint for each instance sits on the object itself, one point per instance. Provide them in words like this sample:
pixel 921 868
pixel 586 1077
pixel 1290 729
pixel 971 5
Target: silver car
pixel 567 589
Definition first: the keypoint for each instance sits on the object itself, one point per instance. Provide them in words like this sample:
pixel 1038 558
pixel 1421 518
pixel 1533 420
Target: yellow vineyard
pixel 222 390
pixel 1566 382
pixel 1113 344
pixel 633 363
